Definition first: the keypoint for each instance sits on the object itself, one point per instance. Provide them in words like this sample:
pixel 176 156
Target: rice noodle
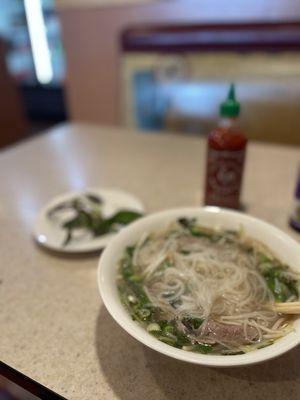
pixel 211 280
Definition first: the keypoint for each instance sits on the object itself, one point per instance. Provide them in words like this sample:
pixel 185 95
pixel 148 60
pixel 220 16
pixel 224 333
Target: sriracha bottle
pixel 226 148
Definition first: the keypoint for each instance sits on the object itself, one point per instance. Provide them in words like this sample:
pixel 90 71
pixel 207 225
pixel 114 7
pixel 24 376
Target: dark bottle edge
pixel 294 224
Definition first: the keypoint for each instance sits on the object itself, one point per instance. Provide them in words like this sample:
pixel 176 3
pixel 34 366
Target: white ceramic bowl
pixel 280 243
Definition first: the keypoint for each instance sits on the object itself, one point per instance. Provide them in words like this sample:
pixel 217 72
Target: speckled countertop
pixel 53 326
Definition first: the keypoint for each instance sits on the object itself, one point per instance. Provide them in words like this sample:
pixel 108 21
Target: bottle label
pixel 224 177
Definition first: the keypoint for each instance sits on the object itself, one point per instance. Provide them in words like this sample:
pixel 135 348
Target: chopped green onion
pixel 153 327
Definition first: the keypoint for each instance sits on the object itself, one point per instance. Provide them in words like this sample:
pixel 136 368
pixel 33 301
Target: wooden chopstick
pixel 292 307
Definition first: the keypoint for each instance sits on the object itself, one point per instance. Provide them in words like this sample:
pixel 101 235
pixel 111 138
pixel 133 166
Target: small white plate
pixel 49 233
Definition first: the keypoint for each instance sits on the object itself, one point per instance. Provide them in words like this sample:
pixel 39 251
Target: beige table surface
pixel 53 326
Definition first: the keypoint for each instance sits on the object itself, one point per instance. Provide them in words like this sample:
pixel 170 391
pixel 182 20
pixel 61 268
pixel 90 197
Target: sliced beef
pixel 228 333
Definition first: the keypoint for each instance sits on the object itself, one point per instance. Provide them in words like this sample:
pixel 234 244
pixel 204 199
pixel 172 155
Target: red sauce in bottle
pixel 225 159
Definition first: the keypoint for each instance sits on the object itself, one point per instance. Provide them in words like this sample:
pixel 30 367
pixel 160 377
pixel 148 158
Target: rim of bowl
pixel 122 317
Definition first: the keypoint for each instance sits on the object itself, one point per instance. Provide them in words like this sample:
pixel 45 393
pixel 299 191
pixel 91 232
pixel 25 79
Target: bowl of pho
pixel 205 285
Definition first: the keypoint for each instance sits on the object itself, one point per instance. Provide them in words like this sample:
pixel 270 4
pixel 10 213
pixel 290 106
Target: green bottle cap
pixel 230 107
